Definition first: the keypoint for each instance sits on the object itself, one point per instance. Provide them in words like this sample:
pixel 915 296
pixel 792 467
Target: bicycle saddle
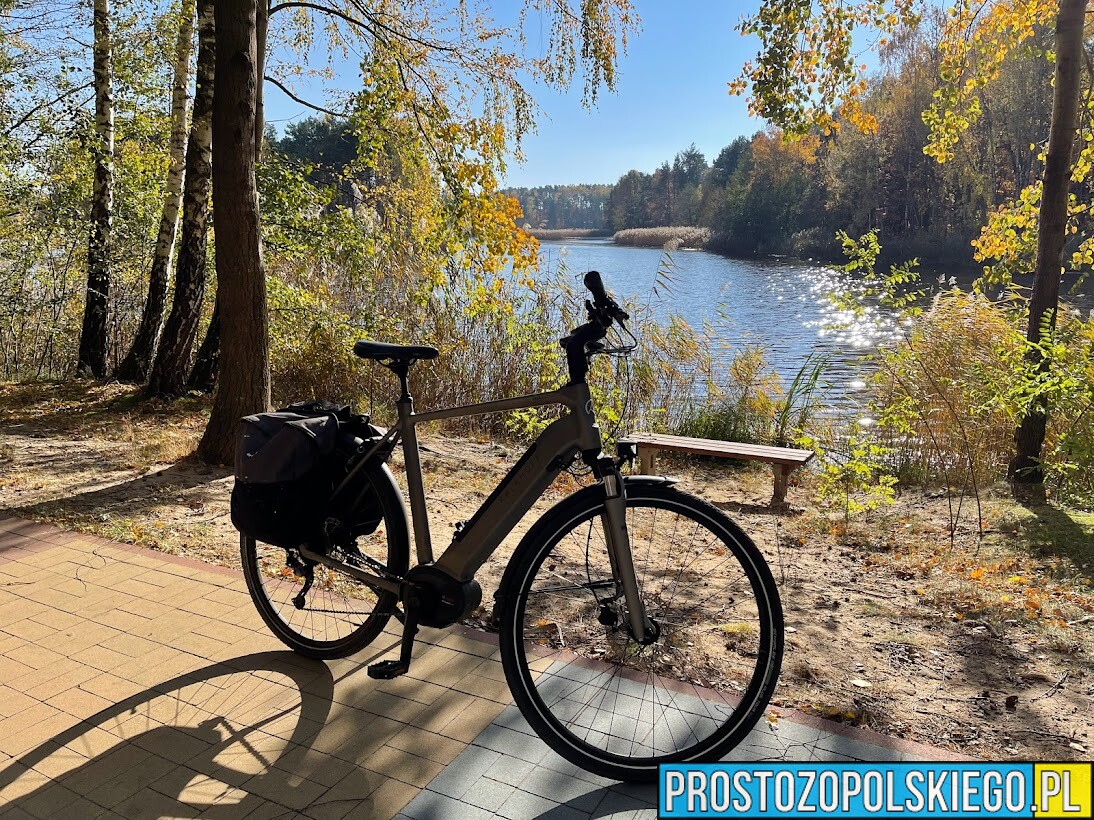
pixel 383 351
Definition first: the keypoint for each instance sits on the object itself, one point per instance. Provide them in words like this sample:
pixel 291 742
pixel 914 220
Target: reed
pixel 498 336
pixel 669 238
pixel 568 233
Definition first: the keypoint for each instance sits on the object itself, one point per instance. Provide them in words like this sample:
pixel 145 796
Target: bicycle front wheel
pixel 335 615
pixel 610 704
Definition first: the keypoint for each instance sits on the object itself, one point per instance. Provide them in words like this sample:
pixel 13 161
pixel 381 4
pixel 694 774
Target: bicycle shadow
pixel 220 741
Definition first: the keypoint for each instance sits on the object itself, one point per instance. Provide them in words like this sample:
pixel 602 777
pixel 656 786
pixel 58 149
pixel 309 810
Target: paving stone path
pixel 140 685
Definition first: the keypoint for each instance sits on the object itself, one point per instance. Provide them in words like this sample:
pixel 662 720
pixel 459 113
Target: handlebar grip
pixel 596 287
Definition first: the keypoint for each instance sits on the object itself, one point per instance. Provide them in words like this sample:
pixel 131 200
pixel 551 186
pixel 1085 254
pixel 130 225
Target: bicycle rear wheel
pixel 338 615
pixel 597 697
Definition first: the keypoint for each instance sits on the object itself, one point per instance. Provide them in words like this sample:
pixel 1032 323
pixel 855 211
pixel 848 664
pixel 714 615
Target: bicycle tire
pixel 340 615
pixel 589 691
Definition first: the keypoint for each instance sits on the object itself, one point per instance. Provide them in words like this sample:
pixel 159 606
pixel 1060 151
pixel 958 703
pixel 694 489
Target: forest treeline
pixel 549 207
pixel 763 194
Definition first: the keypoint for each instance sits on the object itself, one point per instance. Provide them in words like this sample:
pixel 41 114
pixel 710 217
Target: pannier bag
pixel 288 464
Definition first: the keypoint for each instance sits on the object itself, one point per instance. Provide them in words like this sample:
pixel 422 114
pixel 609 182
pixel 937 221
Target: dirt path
pixel 984 647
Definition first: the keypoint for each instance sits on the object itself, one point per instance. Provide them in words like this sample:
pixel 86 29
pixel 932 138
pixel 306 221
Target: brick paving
pixel 136 684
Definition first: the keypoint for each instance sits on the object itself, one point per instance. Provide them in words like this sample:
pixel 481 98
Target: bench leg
pixel 782 472
pixel 647 458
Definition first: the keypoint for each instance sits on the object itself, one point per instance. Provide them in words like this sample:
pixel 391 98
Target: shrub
pixel 749 404
pixel 950 394
pixel 939 393
pixel 742 407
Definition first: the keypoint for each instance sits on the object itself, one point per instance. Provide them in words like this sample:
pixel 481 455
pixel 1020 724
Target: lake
pixel 780 304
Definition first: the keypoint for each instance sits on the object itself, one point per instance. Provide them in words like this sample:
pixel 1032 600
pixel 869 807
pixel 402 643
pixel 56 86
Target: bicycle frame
pixel 556 447
pixel 574 434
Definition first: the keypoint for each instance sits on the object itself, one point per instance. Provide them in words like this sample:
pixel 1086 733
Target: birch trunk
pixel 243 383
pixel 1044 299
pixel 204 375
pixel 172 362
pixel 137 364
pixel 92 355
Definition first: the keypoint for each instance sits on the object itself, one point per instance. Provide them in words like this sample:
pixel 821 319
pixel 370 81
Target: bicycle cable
pixel 621 351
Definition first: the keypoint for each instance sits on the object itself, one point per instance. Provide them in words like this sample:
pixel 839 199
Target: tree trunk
pixel 138 362
pixel 262 24
pixel 244 380
pixel 91 359
pixel 204 375
pixel 1026 467
pixel 172 363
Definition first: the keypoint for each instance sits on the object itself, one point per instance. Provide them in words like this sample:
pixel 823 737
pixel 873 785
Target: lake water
pixel 780 304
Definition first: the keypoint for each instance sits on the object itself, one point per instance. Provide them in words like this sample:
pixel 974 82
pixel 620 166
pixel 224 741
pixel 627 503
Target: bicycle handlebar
pixel 596 286
pixel 603 310
pixel 602 301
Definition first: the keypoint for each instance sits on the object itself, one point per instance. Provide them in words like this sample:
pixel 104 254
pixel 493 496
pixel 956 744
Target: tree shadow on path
pixel 135 497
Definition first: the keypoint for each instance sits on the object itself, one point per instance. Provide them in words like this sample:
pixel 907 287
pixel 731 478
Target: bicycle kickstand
pixel 386 670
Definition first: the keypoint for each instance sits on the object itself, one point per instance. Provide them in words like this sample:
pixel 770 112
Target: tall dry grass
pixel 941 393
pixel 568 233
pixel 669 238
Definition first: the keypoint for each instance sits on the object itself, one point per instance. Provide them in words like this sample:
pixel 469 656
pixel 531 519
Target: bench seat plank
pixel 732 449
pixel 784 460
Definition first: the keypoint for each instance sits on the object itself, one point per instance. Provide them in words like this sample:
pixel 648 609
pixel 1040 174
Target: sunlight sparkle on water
pixel 784 306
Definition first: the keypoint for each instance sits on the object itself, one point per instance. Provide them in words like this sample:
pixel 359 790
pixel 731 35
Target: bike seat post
pixel 402 370
pixel 415 488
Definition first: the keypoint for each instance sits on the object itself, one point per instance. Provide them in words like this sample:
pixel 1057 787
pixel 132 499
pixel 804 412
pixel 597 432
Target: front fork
pixel 618 541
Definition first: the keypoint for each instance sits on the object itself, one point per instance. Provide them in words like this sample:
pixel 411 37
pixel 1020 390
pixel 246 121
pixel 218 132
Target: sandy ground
pixel 982 645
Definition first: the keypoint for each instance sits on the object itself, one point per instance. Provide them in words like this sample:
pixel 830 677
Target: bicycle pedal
pixel 386 670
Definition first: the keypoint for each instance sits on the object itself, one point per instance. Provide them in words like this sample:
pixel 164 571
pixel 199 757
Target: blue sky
pixel 671 93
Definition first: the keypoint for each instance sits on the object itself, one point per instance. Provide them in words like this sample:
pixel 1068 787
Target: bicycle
pixel 638 625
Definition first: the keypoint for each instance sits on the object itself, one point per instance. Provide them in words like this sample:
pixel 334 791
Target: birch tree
pixel 172 362
pixel 138 362
pixel 203 376
pixel 93 335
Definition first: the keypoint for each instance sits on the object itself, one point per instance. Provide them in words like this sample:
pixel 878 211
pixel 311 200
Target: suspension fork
pixel 618 540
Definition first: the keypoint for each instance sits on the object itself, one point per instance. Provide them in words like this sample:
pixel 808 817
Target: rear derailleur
pixel 306 570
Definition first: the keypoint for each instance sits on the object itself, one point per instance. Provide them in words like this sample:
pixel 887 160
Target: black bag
pixel 288 465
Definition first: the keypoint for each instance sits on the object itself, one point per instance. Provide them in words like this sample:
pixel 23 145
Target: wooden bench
pixel 784 460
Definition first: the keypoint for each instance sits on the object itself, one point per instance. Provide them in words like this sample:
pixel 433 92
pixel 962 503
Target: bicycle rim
pixel 611 704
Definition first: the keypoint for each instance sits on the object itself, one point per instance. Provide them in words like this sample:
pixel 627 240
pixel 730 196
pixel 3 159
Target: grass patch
pixel 1033 569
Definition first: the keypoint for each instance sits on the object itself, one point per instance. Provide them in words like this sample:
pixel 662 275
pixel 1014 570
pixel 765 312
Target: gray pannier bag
pixel 288 466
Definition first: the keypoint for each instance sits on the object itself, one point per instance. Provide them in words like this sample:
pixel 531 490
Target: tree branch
pixel 402 35
pixel 11 129
pixel 299 4
pixel 370 25
pixel 313 106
